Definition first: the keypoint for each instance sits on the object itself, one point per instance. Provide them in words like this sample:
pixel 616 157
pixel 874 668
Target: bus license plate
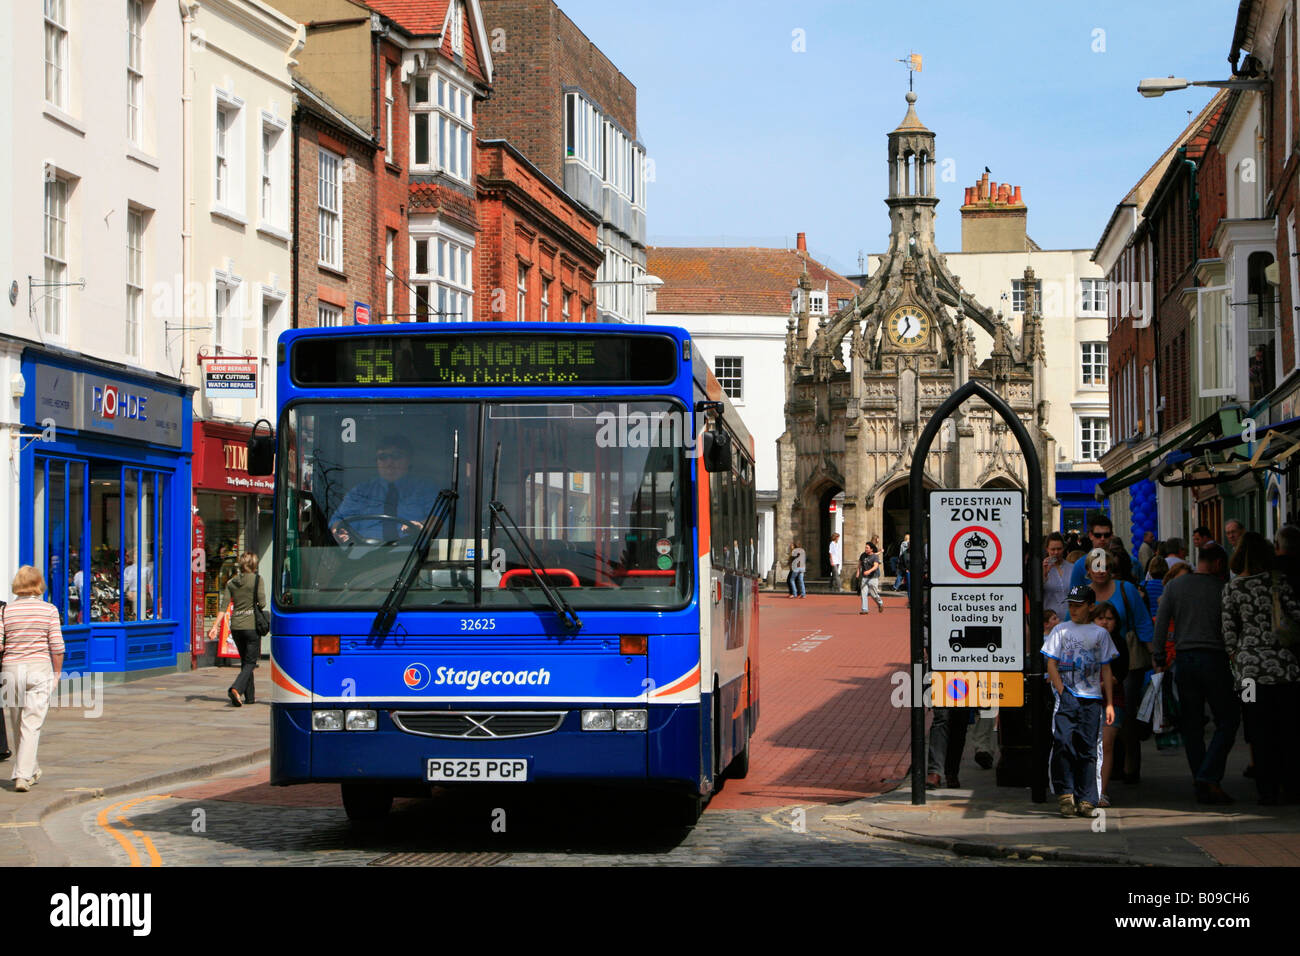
pixel 481 769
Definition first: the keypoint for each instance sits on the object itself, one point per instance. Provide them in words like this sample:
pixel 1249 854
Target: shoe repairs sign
pixel 230 377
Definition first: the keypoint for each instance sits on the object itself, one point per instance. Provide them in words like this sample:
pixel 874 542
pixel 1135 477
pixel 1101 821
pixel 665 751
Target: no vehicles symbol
pixel 975 552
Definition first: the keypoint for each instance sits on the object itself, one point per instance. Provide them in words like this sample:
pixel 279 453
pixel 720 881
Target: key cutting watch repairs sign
pixel 976 537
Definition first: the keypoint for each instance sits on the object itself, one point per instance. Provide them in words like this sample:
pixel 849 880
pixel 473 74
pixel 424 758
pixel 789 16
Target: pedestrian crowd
pixel 1136 645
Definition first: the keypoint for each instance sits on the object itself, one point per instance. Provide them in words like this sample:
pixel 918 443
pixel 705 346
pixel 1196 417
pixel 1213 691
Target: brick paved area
pixel 827 730
pixel 1255 849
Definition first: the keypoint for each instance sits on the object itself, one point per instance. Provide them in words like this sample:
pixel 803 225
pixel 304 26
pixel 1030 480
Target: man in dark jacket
pixel 1194 603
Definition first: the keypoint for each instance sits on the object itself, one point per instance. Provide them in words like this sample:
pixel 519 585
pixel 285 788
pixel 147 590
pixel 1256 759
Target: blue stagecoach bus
pixel 515 553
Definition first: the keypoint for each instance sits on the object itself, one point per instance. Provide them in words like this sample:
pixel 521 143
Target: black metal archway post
pixel 918 555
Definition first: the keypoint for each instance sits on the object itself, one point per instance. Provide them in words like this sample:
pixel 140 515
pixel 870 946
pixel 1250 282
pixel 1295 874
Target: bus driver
pixel 389 506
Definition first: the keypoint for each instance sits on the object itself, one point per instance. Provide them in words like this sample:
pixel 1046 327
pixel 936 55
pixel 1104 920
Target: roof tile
pixel 737 281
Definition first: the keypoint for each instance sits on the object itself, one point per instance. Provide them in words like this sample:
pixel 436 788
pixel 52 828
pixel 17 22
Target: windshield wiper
pixel 443 506
pixel 563 609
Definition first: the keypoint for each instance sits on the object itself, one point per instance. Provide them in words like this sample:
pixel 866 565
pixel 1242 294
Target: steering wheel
pixel 353 537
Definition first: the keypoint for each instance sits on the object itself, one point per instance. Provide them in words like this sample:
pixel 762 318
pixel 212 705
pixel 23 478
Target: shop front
pixel 232 514
pixel 1076 491
pixel 104 477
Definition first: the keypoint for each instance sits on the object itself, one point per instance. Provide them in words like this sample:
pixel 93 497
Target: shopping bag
pixel 1147 706
pixel 226 646
pixel 1150 695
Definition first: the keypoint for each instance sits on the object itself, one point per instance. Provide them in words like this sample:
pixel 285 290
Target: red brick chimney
pixel 993 218
pixel 801 243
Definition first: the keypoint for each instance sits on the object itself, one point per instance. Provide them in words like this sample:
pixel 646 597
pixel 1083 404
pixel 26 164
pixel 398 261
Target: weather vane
pixel 913 61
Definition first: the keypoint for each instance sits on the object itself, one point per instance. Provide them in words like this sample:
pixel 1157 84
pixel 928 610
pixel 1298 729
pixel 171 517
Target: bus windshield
pixel 592 495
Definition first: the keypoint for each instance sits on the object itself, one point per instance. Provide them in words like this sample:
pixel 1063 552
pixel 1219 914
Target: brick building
pixel 412 73
pixel 1265 42
pixel 538 246
pixel 335 267
pixel 569 110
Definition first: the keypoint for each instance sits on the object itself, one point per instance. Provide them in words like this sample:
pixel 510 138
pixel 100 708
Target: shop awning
pixel 1145 466
pixel 1272 449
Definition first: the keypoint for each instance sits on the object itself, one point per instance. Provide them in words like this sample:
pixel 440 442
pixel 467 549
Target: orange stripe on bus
pixel 279 677
pixel 682 684
pixel 705 529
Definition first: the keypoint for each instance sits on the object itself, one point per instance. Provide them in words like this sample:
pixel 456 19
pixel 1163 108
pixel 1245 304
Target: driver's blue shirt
pixel 415 498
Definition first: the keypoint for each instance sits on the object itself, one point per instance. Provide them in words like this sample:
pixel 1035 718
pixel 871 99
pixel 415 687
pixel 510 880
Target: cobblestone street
pixel 237 824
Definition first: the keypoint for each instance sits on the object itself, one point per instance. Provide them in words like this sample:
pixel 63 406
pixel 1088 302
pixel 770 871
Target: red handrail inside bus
pixel 649 573
pixel 525 573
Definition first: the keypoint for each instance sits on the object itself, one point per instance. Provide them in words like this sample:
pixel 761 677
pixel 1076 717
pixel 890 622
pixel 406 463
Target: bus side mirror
pixel 261 451
pixel 717 451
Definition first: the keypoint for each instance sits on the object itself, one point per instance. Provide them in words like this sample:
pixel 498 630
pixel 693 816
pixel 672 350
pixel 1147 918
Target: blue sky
pixel 753 142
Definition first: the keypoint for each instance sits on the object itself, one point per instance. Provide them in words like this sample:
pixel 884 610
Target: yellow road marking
pixel 15 824
pixel 123 806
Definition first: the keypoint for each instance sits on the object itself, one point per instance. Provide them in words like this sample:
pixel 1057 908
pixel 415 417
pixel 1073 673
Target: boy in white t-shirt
pixel 1078 664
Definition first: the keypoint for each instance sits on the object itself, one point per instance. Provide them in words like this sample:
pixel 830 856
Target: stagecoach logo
pixel 417 676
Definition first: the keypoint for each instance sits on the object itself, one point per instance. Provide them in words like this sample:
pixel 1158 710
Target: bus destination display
pixel 509 360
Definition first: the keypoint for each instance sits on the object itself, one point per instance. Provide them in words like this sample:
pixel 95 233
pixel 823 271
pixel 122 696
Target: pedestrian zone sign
pixel 977 629
pixel 976 537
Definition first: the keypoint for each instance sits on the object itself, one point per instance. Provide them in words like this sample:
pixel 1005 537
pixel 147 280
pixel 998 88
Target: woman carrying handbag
pixel 247 598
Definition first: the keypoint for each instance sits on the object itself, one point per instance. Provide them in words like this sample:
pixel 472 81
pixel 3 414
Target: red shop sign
pixel 198 564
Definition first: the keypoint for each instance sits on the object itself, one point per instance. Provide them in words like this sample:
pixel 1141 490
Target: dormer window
pixel 456 25
pixel 817 303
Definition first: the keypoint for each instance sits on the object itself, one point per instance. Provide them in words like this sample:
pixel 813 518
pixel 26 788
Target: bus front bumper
pixel 667 753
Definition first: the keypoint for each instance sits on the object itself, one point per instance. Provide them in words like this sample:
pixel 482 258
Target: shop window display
pixel 108 526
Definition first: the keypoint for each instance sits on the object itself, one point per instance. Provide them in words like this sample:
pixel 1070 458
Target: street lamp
pixel 1159 86
pixel 646 281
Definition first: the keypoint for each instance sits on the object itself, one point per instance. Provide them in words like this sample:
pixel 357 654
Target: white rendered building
pixel 736 303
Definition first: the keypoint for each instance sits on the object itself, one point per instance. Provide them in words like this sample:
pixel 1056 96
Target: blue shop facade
pixel 1075 490
pixel 104 491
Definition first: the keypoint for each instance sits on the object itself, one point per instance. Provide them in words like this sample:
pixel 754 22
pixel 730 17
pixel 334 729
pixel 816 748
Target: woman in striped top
pixel 32 644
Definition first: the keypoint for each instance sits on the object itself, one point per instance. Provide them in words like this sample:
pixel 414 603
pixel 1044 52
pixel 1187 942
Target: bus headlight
pixel 327 720
pixel 597 720
pixel 631 720
pixel 362 720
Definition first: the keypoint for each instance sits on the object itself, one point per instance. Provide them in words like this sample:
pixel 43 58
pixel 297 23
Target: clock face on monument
pixel 908 327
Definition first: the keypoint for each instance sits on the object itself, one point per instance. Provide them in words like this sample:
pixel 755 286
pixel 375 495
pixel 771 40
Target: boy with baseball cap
pixel 1078 664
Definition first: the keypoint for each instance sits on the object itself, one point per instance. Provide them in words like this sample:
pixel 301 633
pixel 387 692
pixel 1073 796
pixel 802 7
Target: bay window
pixel 442 127
pixel 442 277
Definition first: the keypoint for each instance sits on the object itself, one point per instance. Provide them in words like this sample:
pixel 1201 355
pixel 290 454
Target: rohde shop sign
pixel 976 537
pixel 95 403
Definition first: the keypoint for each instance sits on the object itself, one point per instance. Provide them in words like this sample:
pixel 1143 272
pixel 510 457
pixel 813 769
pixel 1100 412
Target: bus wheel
pixel 366 803
pixel 739 768
pixel 684 809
